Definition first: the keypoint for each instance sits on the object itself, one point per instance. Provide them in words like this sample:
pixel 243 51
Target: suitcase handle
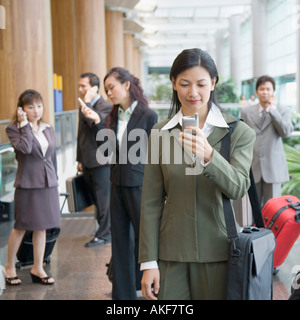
pixel 297 216
pixel 66 195
pixel 295 205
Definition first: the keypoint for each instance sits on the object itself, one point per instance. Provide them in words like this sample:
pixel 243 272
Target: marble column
pixel 137 65
pixel 128 51
pixel 90 38
pixel 114 39
pixel 26 54
pixel 78 33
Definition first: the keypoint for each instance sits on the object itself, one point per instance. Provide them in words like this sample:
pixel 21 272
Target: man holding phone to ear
pixel 271 123
pixel 96 175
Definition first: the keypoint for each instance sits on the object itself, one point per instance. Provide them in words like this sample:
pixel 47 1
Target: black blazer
pixel 86 142
pixel 128 174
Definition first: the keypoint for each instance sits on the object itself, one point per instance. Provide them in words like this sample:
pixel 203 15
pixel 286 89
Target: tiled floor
pixel 80 272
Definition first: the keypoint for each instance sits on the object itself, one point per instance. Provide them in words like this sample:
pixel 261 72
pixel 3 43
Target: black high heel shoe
pixel 44 281
pixel 13 281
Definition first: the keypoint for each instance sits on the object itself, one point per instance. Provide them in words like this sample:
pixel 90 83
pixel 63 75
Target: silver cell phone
pixel 82 103
pixel 190 121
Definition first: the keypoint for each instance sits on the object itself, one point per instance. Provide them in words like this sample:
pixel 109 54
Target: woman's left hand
pixel 196 143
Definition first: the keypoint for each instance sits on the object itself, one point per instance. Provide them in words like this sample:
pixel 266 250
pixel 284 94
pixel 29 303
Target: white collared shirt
pixel 214 119
pixel 268 109
pixel 39 134
pixel 123 119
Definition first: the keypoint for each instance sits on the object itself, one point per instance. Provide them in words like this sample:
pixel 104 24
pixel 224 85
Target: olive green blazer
pixel 182 216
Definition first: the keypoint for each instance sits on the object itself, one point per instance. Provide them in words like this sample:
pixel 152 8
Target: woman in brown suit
pixel 36 184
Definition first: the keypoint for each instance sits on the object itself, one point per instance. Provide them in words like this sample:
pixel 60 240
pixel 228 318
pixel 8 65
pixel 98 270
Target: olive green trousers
pixel 192 281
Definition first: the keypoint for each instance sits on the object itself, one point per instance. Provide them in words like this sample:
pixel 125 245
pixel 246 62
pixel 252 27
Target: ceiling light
pixel 150 42
pixel 146 5
pixel 148 29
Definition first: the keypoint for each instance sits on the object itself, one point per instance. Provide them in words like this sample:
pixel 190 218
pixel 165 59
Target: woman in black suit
pixel 129 117
pixel 36 185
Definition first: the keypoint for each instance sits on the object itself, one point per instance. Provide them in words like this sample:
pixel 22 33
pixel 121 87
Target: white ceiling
pixel 166 27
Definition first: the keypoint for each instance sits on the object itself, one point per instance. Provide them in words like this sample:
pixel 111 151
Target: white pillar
pixel 210 48
pixel 259 37
pixel 235 51
pixel 220 53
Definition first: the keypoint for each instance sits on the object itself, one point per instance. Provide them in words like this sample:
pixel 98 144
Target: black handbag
pixel 250 261
pixel 79 194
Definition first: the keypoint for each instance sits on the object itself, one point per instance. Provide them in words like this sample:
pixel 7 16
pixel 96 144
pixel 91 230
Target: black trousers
pixel 125 222
pixel 98 181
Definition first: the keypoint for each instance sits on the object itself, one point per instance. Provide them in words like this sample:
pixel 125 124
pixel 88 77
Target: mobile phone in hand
pixel 190 121
pixel 82 103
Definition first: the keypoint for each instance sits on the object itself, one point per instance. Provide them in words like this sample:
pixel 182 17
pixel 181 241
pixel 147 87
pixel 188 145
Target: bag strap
pixel 252 192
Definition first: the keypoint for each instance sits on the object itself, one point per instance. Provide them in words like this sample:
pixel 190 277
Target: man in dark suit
pixel 96 175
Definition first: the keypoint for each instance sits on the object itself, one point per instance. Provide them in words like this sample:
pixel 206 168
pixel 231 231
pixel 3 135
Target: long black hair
pixel 187 59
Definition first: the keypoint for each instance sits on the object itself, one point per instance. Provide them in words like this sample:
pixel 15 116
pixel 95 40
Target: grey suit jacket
pixel 86 141
pixel 269 161
pixel 34 169
pixel 182 216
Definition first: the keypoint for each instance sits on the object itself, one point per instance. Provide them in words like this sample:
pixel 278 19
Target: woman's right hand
pixel 150 276
pixel 91 114
pixel 21 115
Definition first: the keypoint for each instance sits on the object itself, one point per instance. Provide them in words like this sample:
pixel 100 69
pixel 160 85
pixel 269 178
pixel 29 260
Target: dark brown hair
pixel 93 79
pixel 135 91
pixel 27 97
pixel 264 79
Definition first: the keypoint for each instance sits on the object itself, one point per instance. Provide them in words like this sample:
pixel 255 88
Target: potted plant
pixel 293 185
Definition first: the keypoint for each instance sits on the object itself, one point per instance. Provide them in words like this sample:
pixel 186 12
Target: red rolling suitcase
pixel 282 216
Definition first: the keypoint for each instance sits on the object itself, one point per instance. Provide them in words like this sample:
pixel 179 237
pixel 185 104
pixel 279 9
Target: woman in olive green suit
pixel 183 239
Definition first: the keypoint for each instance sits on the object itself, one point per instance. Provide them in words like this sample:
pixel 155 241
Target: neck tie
pixel 263 117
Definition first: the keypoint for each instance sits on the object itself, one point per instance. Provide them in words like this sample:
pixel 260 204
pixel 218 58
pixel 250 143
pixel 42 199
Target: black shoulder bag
pixel 250 261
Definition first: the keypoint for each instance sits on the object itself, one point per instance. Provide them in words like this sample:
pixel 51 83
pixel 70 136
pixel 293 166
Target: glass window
pixel 8 169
